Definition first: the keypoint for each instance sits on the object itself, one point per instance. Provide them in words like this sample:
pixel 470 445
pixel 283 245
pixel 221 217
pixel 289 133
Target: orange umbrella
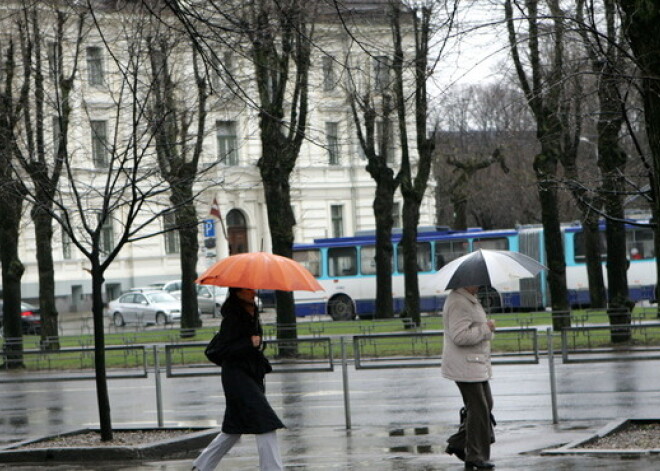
pixel 260 270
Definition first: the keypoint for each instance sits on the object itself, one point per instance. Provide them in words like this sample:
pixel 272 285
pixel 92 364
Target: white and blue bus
pixel 346 269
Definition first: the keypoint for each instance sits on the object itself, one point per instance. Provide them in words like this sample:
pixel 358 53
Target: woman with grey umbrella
pixel 466 360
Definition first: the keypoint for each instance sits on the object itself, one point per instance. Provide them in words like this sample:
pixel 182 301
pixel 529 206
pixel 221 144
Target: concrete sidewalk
pixel 400 418
pixel 404 449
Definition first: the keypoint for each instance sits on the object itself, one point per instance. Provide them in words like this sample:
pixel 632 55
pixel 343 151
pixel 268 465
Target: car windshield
pixel 161 298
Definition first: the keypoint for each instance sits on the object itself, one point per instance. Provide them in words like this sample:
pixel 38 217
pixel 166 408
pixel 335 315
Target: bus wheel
pixel 341 308
pixel 490 299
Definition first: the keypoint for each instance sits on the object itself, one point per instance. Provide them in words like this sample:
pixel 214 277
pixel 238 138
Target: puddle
pixel 419 449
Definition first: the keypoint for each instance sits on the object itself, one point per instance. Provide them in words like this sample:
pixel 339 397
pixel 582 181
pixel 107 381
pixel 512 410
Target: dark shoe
pixel 460 454
pixel 478 465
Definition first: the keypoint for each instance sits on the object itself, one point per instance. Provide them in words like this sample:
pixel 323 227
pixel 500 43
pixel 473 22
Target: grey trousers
pixel 267 447
pixel 475 435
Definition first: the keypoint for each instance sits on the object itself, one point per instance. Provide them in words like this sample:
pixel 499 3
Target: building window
pixel 94 65
pixel 329 78
pixel 56 135
pixel 99 143
pixel 396 215
pixel 107 242
pixel 52 52
pixel 171 233
pixel 337 220
pixel 227 142
pixel 381 73
pixel 332 141
pixel 66 245
pixel 384 141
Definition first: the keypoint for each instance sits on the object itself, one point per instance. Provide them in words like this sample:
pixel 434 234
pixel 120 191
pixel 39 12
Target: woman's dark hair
pixel 233 301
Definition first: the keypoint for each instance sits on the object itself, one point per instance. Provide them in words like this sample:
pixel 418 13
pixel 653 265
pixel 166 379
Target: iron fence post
pixel 159 392
pixel 344 374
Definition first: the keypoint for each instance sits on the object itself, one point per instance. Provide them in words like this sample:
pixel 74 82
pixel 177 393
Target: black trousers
pixel 475 433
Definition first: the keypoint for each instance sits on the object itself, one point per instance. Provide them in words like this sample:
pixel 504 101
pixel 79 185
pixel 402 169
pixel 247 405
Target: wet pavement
pixel 400 418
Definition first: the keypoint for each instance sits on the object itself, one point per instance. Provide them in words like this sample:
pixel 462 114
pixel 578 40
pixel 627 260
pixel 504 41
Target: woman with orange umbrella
pixel 243 369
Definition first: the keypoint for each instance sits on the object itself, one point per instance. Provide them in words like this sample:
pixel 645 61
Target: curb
pixel 572 448
pixel 168 448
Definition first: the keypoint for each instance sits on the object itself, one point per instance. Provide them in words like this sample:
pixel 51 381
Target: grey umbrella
pixel 485 268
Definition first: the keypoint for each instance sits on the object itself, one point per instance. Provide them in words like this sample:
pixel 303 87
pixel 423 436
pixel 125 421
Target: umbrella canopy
pixel 260 270
pixel 485 268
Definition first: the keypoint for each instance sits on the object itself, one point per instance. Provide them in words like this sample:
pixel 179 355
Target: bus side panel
pixel 310 309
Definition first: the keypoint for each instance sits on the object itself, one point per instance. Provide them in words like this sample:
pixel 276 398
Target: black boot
pixel 472 465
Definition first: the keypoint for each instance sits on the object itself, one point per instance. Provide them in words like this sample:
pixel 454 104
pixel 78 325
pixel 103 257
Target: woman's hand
pixel 256 341
pixel 491 325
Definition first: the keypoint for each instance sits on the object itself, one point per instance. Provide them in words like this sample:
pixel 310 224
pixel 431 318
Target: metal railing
pixel 299 355
pixel 424 349
pixel 71 364
pixel 594 343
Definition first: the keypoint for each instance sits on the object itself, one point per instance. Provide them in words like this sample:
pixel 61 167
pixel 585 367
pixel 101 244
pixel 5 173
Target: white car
pixel 209 298
pixel 144 307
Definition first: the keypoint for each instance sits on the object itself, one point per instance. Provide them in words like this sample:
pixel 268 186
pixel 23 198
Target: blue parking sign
pixel 209 228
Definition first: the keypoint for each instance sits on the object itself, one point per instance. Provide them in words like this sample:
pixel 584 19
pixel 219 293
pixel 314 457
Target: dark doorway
pixel 237 232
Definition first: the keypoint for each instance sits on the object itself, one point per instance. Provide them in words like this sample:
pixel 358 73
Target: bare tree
pixel 48 94
pixel 476 120
pixel 113 195
pixel 377 149
pixel 544 96
pixel 413 186
pixel 279 34
pixel 178 153
pixel 465 170
pixel 12 192
pixel 641 26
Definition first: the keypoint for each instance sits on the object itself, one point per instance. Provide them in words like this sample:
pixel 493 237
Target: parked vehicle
pixel 144 307
pixel 30 319
pixel 209 298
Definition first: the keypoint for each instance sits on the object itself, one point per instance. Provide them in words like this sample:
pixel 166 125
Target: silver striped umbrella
pixel 485 268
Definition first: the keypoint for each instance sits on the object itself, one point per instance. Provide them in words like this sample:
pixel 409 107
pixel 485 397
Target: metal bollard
pixel 553 379
pixel 344 373
pixel 159 392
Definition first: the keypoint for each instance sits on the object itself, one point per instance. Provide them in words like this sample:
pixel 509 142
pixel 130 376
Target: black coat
pixel 243 369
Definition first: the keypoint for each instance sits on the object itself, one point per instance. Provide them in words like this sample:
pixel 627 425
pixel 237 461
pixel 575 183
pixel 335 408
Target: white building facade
pixel 331 191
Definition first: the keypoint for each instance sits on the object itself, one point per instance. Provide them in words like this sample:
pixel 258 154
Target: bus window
pixel 500 243
pixel 342 261
pixel 423 257
pixel 368 260
pixel 448 250
pixel 639 243
pixel 310 259
pixel 579 248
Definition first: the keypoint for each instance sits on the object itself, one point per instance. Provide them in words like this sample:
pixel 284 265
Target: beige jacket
pixel 466 351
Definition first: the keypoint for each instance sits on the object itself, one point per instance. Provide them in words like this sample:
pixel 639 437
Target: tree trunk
pixel 642 27
pixel 545 168
pixel 593 253
pixel 102 397
pixel 43 227
pixel 383 205
pixel 619 305
pixel 186 221
pixel 460 214
pixel 409 244
pixel 12 272
pixel 281 222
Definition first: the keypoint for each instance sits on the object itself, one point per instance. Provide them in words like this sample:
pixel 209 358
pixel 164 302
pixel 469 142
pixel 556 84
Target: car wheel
pixel 118 319
pixel 216 310
pixel 161 319
pixel 341 308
